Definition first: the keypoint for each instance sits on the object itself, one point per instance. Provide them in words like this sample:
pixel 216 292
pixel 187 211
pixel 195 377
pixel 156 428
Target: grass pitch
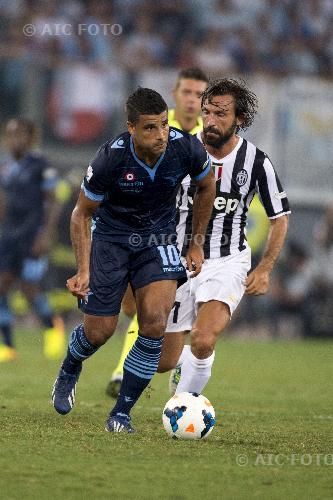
pixel 273 438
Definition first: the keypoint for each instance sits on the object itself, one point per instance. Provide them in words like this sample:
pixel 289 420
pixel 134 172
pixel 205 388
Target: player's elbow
pixel 80 215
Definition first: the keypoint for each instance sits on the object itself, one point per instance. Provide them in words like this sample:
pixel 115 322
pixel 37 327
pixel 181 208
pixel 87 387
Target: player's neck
pixel 224 150
pixel 186 124
pixel 145 156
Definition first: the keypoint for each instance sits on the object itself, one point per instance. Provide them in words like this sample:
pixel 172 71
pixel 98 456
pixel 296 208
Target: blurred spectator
pixel 156 33
pixel 212 56
pixel 323 264
pixel 290 290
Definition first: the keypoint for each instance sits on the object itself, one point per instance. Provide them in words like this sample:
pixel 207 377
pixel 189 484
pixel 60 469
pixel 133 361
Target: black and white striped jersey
pixel 239 175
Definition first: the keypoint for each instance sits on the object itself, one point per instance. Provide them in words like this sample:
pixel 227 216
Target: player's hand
pixel 257 282
pixel 41 245
pixel 195 259
pixel 78 285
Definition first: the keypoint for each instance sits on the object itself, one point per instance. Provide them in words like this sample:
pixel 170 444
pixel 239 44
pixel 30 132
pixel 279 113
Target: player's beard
pixel 221 138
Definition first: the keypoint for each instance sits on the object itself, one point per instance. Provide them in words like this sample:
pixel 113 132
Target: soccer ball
pixel 188 416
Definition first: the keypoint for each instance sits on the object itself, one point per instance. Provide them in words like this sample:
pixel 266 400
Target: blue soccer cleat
pixel 119 423
pixel 63 392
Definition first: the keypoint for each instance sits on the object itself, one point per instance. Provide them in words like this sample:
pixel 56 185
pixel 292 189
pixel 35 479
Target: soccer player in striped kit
pixel 204 305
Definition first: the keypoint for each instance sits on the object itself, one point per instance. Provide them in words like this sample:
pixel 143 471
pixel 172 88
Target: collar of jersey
pixel 151 171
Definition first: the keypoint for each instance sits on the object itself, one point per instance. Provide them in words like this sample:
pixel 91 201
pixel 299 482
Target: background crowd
pixel 273 36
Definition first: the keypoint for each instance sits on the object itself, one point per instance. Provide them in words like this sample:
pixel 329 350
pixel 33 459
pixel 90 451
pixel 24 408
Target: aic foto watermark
pixel 282 459
pixel 68 29
pixel 136 240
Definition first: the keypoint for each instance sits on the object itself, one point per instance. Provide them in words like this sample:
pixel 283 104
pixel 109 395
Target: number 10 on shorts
pixel 169 255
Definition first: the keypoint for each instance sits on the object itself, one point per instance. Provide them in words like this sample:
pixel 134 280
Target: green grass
pixel 270 398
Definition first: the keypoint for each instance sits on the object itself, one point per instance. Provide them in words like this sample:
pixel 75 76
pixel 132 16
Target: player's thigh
pixel 155 272
pixel 218 290
pixel 183 312
pixel 109 264
pixel 99 329
pixel 212 318
pixel 128 304
pixel 154 303
pixel 172 348
pixel 10 264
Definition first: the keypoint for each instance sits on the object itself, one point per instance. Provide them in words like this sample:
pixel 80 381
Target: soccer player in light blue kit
pixel 130 189
pixel 29 217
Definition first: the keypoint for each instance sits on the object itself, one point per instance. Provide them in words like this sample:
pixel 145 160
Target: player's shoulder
pixel 260 157
pixel 112 151
pixel 118 145
pixel 184 141
pixel 254 147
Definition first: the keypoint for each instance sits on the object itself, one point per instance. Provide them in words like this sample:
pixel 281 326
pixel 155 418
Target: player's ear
pixel 240 120
pixel 130 127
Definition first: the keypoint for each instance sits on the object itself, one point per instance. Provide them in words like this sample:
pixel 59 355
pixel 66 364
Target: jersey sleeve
pixel 201 163
pixel 270 191
pixel 95 183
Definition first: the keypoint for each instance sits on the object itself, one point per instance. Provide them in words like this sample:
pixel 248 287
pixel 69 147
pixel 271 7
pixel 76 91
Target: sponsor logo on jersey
pixel 242 177
pixel 129 183
pixel 226 202
pixel 228 205
pixel 129 176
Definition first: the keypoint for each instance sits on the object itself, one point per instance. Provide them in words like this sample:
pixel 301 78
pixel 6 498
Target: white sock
pixel 195 373
pixel 184 353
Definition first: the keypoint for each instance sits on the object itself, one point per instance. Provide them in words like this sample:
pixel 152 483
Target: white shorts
pixel 220 279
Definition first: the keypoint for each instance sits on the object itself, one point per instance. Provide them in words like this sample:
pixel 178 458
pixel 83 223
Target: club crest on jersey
pixel 242 177
pixel 129 177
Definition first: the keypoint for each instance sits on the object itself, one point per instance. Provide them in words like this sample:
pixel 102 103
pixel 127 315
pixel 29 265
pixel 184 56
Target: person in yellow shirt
pixel 190 84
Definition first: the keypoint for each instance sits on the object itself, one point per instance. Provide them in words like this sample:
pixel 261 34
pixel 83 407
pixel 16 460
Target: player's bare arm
pixel 202 210
pixel 257 282
pixel 78 285
pixel 45 237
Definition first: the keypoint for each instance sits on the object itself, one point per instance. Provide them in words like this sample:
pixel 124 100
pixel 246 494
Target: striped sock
pixel 139 367
pixel 79 349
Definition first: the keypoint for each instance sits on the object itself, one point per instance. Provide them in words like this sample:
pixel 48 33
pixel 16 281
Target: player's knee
pixel 153 324
pixel 99 334
pixel 129 309
pixel 202 343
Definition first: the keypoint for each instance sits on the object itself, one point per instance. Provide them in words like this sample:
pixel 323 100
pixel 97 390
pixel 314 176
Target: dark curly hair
pixel 144 102
pixel 246 102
